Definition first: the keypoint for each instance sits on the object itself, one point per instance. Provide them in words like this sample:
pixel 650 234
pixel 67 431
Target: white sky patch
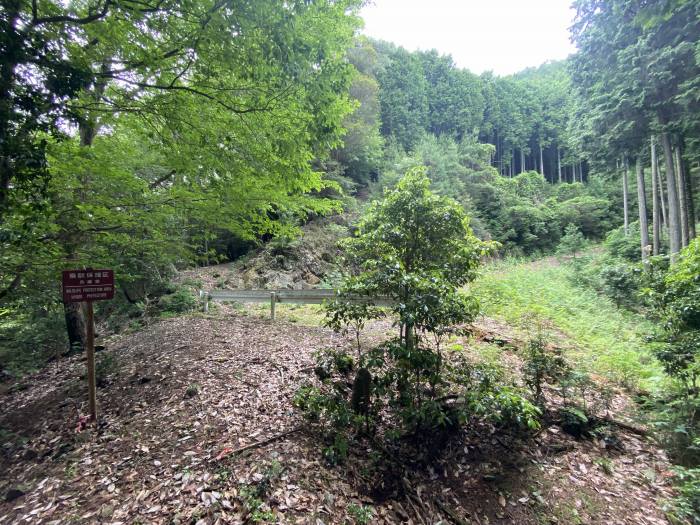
pixel 503 36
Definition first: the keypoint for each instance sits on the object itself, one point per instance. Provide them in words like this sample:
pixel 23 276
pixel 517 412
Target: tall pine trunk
pixel 655 219
pixel 642 206
pixel 541 162
pixel 522 160
pixel 625 197
pixel 674 218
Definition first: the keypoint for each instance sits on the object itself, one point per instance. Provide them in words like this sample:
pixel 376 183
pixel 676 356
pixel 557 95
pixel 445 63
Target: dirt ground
pixel 183 398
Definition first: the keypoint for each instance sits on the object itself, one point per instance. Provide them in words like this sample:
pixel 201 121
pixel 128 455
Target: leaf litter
pixel 236 451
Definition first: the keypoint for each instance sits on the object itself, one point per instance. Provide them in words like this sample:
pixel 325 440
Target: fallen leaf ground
pixel 184 395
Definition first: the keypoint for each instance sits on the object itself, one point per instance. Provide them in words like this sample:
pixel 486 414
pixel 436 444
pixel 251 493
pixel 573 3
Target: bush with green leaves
pixel 181 300
pixel 675 302
pixel 685 506
pixel 415 248
pixel 624 246
pixel 572 242
pixel 621 282
pixel 541 364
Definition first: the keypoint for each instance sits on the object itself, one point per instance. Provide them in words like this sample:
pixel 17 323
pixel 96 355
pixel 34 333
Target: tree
pixel 403 98
pixel 218 132
pixel 416 248
pixel 635 71
pixel 572 241
pixel 361 151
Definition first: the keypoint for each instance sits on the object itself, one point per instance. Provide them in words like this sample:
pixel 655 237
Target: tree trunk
pixel 625 197
pixel 541 162
pixel 656 229
pixel 674 219
pixel 559 164
pixel 662 196
pixel 512 164
pixel 642 200
pixel 682 197
pixel 75 326
pixel 688 203
pixel 522 161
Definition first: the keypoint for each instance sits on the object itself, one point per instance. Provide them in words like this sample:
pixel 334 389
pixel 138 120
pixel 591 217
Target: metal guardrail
pixel 282 296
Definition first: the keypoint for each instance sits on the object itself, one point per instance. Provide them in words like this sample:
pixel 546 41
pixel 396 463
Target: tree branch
pixel 69 19
pixel 14 284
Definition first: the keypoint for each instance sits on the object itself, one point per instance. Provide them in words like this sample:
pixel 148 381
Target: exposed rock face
pixel 309 261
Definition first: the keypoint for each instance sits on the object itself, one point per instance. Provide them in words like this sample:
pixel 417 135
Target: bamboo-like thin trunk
pixel 662 195
pixel 682 197
pixel 625 197
pixel 674 218
pixel 685 176
pixel 559 163
pixel 656 227
pixel 642 206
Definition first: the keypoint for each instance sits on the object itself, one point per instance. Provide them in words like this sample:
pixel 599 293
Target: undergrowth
pixel 603 338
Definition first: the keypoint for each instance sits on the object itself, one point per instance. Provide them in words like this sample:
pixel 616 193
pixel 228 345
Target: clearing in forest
pixel 190 403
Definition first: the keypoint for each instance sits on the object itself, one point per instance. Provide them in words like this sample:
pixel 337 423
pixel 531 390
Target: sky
pixel 503 36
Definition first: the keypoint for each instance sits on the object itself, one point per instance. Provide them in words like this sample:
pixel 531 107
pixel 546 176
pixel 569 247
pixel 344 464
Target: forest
pixel 534 237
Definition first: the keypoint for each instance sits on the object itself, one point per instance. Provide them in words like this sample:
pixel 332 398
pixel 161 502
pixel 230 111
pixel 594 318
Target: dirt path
pixel 184 393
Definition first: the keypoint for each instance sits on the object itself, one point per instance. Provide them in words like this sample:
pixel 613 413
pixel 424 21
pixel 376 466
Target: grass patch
pixel 605 339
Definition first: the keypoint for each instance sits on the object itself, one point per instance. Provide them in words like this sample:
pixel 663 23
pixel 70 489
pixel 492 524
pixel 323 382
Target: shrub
pixel 572 241
pixel 540 365
pixel 416 248
pixel 685 507
pixel 182 300
pixel 621 282
pixel 624 246
pixel 574 421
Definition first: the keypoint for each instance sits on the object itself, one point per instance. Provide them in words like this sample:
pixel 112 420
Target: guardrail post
pixel 273 302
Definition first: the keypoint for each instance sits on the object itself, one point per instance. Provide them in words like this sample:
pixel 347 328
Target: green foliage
pixel 30 336
pixel 613 339
pixel 572 242
pixel 253 496
pixel 165 159
pixel 416 248
pixel 360 513
pixel 180 301
pixel 624 246
pixel 621 281
pixel 512 410
pixel 192 390
pixel 678 306
pixel 574 421
pixel 676 303
pixel 685 506
pixel 541 364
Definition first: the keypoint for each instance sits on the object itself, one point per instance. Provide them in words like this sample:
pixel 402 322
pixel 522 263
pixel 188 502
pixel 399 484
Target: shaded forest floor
pixel 183 398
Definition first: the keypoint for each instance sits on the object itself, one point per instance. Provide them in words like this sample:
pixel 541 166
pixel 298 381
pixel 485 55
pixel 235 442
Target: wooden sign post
pixel 86 286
